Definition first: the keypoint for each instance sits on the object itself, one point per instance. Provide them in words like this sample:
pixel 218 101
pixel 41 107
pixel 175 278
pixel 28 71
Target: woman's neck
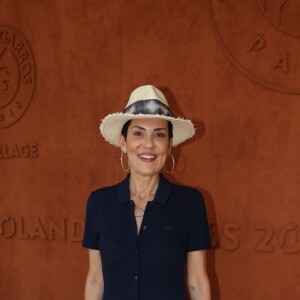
pixel 143 187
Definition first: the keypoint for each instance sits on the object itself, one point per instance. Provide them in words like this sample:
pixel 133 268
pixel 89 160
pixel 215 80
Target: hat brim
pixel 112 125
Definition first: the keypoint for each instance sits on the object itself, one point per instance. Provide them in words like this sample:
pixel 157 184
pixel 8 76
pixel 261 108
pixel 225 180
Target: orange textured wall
pixel 231 66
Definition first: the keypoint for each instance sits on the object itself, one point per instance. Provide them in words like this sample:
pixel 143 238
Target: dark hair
pixel 124 130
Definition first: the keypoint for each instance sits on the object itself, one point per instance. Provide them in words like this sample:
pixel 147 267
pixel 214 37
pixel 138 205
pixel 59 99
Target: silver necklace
pixel 140 208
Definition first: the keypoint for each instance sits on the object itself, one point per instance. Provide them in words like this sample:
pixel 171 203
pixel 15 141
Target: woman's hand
pixel 94 286
pixel 197 278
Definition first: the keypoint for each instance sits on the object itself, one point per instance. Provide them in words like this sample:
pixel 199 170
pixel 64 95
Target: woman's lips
pixel 147 157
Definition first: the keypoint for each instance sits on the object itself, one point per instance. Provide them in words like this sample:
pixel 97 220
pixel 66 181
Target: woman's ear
pixel 122 142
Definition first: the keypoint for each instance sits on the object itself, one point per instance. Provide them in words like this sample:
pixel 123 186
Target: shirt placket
pixel 135 253
pixel 142 236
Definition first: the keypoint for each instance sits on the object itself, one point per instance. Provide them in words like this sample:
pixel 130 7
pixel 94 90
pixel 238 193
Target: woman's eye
pixel 160 135
pixel 137 133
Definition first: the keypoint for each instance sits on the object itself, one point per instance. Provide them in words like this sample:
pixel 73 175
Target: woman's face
pixel 147 145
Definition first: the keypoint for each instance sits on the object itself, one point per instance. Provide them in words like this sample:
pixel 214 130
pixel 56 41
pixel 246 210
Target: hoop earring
pixel 122 165
pixel 173 161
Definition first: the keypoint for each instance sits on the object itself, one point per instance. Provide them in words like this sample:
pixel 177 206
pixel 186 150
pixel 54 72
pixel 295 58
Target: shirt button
pixel 144 227
pixel 136 251
pixel 150 204
pixel 135 277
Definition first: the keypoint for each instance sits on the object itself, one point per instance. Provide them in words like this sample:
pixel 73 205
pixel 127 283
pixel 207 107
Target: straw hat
pixel 145 102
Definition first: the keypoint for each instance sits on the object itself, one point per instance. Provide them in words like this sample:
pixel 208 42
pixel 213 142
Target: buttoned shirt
pixel 148 265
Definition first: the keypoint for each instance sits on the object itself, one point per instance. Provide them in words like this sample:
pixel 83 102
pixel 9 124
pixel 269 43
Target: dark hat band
pixel 148 107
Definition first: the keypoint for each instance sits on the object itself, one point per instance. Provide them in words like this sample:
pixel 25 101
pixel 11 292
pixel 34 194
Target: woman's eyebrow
pixel 139 127
pixel 158 129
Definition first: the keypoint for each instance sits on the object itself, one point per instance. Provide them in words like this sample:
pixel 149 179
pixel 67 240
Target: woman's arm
pixel 94 286
pixel 197 278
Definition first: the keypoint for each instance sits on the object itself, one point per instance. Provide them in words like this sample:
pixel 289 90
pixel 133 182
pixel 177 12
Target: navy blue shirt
pixel 149 265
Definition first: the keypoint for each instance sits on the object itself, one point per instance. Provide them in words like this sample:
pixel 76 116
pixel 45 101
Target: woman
pixel 142 232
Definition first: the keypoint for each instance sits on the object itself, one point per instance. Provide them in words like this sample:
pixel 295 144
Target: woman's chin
pixel 146 172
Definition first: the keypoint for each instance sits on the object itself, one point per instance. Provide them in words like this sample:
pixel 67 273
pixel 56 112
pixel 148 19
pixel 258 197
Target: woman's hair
pixel 124 130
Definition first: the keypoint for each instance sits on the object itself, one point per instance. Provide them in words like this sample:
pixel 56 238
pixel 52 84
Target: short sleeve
pixel 90 237
pixel 198 235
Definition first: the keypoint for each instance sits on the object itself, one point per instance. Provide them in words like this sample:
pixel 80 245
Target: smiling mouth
pixel 147 157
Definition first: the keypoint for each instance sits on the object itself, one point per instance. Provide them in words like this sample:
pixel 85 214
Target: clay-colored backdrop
pixel 231 66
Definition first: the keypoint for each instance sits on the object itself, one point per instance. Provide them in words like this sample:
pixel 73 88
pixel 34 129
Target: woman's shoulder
pixel 103 194
pixel 104 190
pixel 110 191
pixel 186 193
pixel 185 189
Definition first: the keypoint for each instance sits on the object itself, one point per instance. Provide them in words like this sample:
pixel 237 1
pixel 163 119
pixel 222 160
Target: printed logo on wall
pixel 262 39
pixel 17 75
pixel 42 228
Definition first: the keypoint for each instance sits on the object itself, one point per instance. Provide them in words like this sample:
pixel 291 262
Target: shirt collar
pixel 161 195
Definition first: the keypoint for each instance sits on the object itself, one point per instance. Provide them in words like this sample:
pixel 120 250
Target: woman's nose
pixel 149 142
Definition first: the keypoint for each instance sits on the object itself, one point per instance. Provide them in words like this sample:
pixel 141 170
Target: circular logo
pixel 283 14
pixel 17 75
pixel 262 39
